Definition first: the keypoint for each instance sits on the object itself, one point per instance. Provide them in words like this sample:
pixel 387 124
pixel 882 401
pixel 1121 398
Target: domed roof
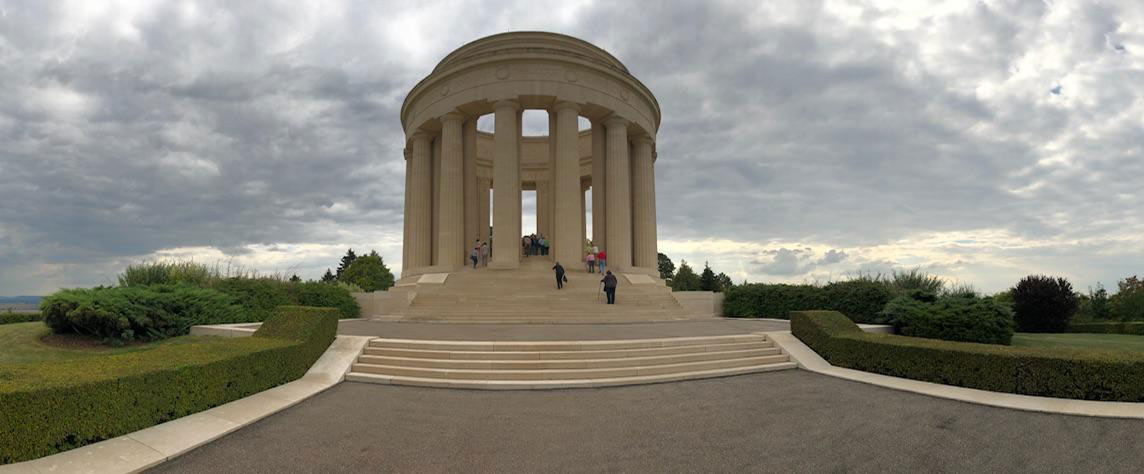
pixel 530 42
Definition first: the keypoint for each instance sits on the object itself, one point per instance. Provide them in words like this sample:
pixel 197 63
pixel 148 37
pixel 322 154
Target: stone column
pixel 543 208
pixel 407 214
pixel 551 211
pixel 599 187
pixel 619 210
pixel 472 204
pixel 643 205
pixel 451 211
pixel 567 186
pixel 420 202
pixel 435 197
pixel 483 187
pixel 583 215
pixel 506 175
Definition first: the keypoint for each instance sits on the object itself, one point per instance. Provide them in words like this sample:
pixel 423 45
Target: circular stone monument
pixel 450 166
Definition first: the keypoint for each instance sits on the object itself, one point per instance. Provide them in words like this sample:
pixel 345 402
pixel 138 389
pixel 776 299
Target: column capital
pixel 641 140
pixel 615 121
pixel 421 135
pixel 506 103
pixel 453 117
pixel 565 105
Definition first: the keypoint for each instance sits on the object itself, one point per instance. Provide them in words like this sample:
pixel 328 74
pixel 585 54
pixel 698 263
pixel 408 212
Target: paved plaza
pixel 791 421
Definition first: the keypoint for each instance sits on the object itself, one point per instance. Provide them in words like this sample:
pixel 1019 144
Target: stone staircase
pixel 529 294
pixel 525 365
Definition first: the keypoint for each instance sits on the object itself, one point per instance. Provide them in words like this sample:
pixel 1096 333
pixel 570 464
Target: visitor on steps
pixel 544 245
pixel 600 262
pixel 590 259
pixel 474 254
pixel 560 278
pixel 527 244
pixel 596 251
pixel 484 254
pixel 610 287
pixel 535 244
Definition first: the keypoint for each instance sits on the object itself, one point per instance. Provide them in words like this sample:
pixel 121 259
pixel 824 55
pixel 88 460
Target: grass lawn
pixel 22 343
pixel 1105 342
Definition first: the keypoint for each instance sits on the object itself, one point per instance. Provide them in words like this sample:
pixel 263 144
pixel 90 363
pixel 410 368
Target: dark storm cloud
pixel 269 130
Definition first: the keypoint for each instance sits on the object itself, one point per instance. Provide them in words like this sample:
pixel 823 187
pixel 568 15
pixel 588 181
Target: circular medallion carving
pixel 444 89
pixel 571 76
pixel 625 95
pixel 502 72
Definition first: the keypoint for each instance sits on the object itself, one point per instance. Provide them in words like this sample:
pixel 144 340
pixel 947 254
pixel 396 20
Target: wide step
pixel 563 364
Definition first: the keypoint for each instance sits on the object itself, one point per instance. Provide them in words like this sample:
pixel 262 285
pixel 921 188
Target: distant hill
pixel 35 300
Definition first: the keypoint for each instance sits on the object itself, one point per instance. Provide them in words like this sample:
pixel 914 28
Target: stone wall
pixel 706 303
pixel 382 302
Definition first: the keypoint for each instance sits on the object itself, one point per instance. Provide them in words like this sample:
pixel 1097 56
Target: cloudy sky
pixel 801 140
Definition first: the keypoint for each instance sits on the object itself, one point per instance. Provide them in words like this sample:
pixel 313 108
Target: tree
pixel 1043 304
pixel 369 273
pixel 295 279
pixel 724 282
pixel 707 279
pixel 329 277
pixel 685 278
pixel 1128 303
pixel 347 260
pixel 666 268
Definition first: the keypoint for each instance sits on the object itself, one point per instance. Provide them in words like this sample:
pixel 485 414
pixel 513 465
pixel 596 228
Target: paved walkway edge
pixel 149 447
pixel 807 359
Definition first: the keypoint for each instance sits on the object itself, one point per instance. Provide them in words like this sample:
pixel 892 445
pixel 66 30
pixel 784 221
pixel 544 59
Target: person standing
pixel 560 278
pixel 596 251
pixel 601 260
pixel 484 254
pixel 474 255
pixel 610 282
pixel 526 243
pixel 590 259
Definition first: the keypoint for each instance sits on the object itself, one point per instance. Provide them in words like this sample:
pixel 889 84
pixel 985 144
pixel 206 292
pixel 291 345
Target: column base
pixel 430 269
pixel 504 265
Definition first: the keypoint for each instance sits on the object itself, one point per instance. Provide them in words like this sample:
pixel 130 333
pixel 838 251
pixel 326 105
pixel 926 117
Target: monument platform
pixel 528 294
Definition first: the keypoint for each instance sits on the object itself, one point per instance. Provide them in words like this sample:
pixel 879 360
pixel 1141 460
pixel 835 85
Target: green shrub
pixel 1086 375
pixel 349 287
pixel 915 279
pixel 257 296
pixel 859 299
pixel 55 406
pixel 327 296
pixel 765 300
pixel 949 318
pixel 1043 304
pixel 169 273
pixel 10 317
pixel 122 314
pixel 1109 327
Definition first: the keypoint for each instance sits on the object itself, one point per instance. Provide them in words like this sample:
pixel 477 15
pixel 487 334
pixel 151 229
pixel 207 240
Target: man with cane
pixel 609 282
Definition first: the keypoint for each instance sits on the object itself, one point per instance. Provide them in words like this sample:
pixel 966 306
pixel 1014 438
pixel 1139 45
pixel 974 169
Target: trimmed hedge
pixel 861 300
pixel 1130 328
pixel 259 296
pixel 55 406
pixel 148 313
pixel 327 296
pixel 1086 375
pixel 12 317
